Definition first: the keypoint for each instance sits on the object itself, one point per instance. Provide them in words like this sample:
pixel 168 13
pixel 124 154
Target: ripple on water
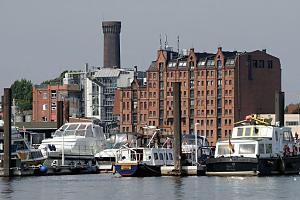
pixel 113 187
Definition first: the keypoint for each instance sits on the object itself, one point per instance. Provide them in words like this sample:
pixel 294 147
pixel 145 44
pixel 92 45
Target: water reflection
pixel 150 188
pixel 178 188
pixel 6 188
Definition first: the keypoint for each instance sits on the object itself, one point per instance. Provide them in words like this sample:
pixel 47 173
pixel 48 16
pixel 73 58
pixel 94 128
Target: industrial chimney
pixel 111 53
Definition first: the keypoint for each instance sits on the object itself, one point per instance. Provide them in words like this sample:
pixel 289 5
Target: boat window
pixel 155 156
pixel 80 132
pixel 81 126
pixel 287 136
pixel 248 132
pixel 223 149
pixel 133 157
pixel 1 147
pixel 69 132
pixel 20 145
pixel 161 157
pixel 72 127
pixel 247 148
pixel 268 148
pixel 60 131
pixel 171 156
pixel 166 155
pixel 89 131
pixel 261 148
pixel 240 132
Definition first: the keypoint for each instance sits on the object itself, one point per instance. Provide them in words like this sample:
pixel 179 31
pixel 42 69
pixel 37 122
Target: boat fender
pixel 43 169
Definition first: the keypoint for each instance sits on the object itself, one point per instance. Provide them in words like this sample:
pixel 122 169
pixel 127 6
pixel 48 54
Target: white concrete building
pixel 290 120
pixel 98 87
pixel 100 91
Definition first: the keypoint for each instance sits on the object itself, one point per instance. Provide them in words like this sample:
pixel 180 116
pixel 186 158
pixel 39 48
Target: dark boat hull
pixel 253 166
pixel 137 170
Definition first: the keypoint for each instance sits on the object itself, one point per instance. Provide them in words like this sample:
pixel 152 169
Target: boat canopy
pixel 75 129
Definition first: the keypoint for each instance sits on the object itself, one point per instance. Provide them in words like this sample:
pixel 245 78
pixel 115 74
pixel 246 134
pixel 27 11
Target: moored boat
pixel 74 143
pixel 256 148
pixel 22 154
pixel 142 161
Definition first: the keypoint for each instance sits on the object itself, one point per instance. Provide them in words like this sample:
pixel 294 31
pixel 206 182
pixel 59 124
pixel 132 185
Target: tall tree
pixel 22 93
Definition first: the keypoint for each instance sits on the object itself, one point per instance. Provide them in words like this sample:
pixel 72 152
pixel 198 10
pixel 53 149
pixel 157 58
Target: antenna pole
pixel 166 41
pixel 160 44
pixel 178 44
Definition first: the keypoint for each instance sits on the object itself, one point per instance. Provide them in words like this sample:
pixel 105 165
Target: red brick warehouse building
pixel 45 97
pixel 217 89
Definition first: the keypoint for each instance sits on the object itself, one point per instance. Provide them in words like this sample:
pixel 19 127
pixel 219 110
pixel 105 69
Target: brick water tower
pixel 111 53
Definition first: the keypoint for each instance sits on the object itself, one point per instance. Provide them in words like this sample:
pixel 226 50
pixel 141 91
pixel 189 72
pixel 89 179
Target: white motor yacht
pixel 80 140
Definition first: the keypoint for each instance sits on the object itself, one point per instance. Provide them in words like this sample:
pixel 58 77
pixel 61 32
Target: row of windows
pixel 143 105
pixel 228 92
pixel 125 129
pixel 199 83
pixel 125 117
pixel 125 106
pixel 150 85
pixel 291 123
pixel 210 62
pixel 152 113
pixel 150 94
pixel 126 94
pixel 208 112
pixel 228 112
pixel 143 117
pixel 209 73
pixel 152 75
pixel 227 133
pixel 161 157
pixel 45 106
pixel 261 64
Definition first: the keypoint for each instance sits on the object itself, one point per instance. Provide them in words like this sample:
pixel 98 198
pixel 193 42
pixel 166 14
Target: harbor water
pixel 107 186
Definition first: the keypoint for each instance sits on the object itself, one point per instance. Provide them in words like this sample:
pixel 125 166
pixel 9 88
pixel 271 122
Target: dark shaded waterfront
pixel 98 187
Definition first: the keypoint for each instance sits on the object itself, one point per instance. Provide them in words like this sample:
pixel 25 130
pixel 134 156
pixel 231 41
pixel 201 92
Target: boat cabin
pixel 149 156
pixel 257 141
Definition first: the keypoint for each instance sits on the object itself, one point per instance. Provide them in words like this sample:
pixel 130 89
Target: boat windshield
pixel 247 148
pixel 75 130
pixel 19 146
pixel 71 129
pixel 223 149
pixel 84 130
pixel 59 132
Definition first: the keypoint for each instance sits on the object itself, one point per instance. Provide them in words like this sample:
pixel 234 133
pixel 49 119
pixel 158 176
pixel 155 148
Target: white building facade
pixel 290 120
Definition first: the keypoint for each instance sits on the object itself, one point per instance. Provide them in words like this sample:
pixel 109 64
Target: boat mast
pixel 63 149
